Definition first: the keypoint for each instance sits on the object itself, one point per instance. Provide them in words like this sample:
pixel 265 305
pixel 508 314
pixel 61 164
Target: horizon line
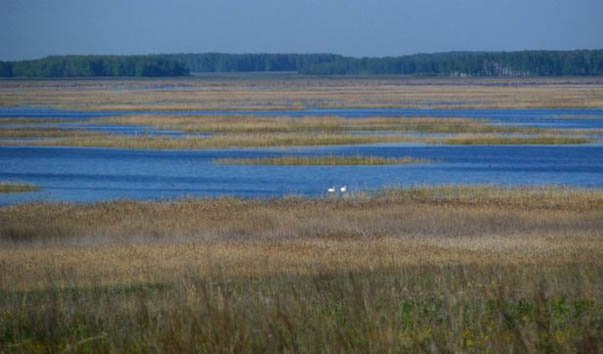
pixel 308 53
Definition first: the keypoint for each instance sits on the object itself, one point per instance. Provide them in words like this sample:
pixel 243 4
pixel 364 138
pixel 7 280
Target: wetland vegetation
pixel 428 269
pixel 213 94
pixel 286 93
pixel 206 132
pixel 245 124
pixel 471 269
pixel 490 139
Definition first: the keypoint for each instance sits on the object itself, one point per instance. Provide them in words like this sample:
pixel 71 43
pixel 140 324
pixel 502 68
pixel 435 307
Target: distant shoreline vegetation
pixel 512 64
pixel 94 65
pixel 321 161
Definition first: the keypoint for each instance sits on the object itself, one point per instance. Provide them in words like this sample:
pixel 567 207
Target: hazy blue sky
pixel 36 28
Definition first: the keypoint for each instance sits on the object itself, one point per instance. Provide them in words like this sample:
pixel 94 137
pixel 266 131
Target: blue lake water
pixel 86 175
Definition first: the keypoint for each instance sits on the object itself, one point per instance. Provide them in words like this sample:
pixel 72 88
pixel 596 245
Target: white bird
pixel 343 189
pixel 331 190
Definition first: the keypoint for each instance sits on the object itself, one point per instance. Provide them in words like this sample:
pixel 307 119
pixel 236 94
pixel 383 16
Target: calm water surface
pixel 548 118
pixel 86 175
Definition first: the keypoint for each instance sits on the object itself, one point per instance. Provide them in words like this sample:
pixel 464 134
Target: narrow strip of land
pixel 321 161
pixel 17 188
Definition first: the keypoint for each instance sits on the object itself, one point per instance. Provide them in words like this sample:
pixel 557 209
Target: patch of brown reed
pixel 490 139
pixel 245 124
pixel 137 241
pixel 212 142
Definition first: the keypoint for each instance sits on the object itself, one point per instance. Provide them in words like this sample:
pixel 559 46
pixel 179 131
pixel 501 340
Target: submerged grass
pixel 321 161
pixel 446 269
pixel 16 188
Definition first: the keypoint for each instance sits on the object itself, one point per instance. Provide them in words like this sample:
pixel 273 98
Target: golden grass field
pixel 447 269
pixel 459 224
pixel 217 93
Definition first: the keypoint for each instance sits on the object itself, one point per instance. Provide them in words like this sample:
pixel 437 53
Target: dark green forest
pixel 94 65
pixel 521 63
pixel 218 62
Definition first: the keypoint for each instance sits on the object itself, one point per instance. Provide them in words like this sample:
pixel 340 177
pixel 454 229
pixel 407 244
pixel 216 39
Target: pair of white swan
pixel 342 189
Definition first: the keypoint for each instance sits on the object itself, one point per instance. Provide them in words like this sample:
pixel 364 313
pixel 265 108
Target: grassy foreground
pixel 321 161
pixel 451 269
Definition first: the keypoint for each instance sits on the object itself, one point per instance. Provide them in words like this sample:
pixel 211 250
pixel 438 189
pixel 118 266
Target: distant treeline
pixel 94 65
pixel 217 62
pixel 521 63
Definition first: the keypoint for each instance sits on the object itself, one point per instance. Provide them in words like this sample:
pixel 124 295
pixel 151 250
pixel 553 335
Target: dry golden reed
pixel 447 269
pixel 286 94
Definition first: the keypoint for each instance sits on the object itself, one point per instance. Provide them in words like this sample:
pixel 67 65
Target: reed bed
pixel 446 269
pixel 246 124
pixel 214 141
pixel 243 132
pixel 331 160
pixel 17 188
pixel 259 140
pixel 489 139
pixel 68 137
pixel 301 93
